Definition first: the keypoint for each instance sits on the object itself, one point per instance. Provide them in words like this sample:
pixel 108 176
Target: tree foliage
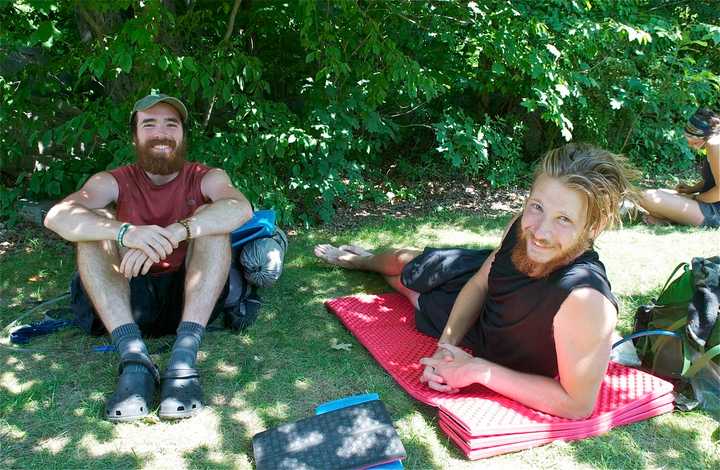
pixel 303 102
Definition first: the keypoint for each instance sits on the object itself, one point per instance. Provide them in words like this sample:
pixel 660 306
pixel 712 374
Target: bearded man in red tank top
pixel 153 255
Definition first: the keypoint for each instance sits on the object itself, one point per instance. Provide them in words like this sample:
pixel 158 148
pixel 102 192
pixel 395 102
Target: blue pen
pixel 104 348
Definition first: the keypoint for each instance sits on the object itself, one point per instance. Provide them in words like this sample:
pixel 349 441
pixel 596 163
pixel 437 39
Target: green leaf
pixel 35 184
pixel 498 68
pixel 189 64
pixel 45 34
pixel 97 67
pixel 47 138
pixel 137 34
pixel 124 61
pixel 53 189
pixel 714 34
pixel 536 69
pixel 82 68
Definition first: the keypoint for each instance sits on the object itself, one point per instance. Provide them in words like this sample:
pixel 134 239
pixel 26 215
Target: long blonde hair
pixel 604 178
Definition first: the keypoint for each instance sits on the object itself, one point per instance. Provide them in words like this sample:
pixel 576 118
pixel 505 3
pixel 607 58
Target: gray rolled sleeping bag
pixel 262 259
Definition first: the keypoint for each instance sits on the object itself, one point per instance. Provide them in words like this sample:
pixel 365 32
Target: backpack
pixel 677 335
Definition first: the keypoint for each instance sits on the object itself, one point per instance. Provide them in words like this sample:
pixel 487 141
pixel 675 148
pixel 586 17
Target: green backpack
pixel 660 331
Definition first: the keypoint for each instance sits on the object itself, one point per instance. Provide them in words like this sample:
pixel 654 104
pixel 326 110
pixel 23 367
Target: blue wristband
pixel 121 234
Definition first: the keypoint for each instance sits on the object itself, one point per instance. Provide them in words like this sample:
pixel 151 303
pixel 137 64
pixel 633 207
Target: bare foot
pixel 630 210
pixel 339 256
pixel 356 250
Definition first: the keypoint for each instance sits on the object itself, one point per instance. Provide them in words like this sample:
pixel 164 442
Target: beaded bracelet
pixel 186 223
pixel 121 234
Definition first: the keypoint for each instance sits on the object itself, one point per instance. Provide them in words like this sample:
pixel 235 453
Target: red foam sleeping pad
pixel 481 422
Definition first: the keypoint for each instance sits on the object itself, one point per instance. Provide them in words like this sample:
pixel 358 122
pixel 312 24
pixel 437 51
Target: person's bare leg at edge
pixel 388 263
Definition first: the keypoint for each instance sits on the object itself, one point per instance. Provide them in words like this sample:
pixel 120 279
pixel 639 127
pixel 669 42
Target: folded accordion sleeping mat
pixel 481 422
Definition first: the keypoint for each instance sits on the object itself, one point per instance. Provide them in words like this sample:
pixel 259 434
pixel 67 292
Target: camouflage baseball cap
pixel 151 100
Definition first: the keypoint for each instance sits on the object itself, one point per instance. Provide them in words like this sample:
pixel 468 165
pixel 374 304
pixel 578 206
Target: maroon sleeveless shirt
pixel 142 202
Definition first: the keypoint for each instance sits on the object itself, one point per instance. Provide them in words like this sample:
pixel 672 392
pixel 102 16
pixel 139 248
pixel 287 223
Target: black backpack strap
pixel 687 369
pixel 640 334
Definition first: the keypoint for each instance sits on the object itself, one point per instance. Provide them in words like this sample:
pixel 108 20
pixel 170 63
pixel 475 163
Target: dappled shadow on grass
pixel 311 381
pixel 655 443
pixel 275 372
pixel 50 390
pixel 638 224
pixel 290 368
pixel 202 458
pixel 443 229
pixel 51 411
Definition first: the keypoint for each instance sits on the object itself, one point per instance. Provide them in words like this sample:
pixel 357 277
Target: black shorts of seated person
pixel 156 303
pixel 711 214
pixel 439 275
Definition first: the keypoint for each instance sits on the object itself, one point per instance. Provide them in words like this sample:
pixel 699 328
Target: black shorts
pixel 711 214
pixel 156 302
pixel 439 275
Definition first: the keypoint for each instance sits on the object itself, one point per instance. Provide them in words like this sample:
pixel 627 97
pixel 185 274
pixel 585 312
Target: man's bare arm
pixel 464 314
pixel 74 219
pixel 470 300
pixel 229 208
pixel 468 305
pixel 583 330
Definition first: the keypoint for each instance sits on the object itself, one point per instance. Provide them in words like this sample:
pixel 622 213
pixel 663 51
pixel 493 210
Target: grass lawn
pixel 52 395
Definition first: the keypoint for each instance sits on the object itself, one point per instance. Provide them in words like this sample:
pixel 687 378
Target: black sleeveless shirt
pixel 707 176
pixel 517 318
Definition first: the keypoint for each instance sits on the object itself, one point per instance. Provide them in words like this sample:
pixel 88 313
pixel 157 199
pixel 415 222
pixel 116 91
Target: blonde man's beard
pixel 533 269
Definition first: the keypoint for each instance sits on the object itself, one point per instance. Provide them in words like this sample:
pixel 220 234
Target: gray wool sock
pixel 187 344
pixel 127 339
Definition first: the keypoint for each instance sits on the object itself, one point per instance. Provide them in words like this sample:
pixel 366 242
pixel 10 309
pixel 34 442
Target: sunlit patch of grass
pixel 283 366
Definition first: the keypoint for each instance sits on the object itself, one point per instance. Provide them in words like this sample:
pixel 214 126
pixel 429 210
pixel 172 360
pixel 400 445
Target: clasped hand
pixel 148 244
pixel 448 370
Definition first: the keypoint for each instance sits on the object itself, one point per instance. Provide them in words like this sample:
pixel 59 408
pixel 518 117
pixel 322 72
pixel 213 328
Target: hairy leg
pixel 668 205
pixel 411 295
pixel 206 271
pixel 99 267
pixel 389 263
pixel 109 291
pixel 207 266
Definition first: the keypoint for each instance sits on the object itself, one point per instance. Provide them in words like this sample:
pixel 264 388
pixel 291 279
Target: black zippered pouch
pixel 355 437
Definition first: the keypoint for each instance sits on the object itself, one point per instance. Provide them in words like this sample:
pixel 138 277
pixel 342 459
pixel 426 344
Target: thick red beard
pixel 155 164
pixel 534 269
